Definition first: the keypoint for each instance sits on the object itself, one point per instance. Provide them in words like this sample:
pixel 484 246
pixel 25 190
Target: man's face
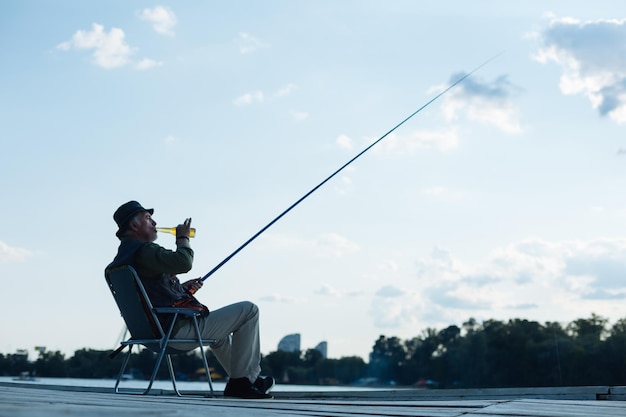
pixel 145 229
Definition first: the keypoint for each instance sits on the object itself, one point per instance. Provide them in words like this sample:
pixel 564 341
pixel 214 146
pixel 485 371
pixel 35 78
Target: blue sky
pixel 502 199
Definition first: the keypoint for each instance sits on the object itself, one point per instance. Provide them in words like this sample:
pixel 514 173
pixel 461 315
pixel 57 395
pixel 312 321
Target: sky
pixel 502 199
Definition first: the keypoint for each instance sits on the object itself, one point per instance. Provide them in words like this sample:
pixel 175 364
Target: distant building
pixel 322 348
pixel 290 343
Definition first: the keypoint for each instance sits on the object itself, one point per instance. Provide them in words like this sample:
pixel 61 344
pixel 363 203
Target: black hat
pixel 126 212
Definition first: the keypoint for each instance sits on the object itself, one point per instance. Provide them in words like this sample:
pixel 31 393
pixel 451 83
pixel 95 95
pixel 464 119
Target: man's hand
pixel 193 285
pixel 183 230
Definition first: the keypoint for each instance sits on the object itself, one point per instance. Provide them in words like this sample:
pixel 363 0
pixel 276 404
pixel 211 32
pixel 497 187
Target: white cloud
pixel 389 291
pixel 248 43
pixel 299 115
pixel 259 96
pixel 592 56
pixel 249 98
pixel 110 50
pixel 395 144
pixel 396 312
pixel 171 139
pixel 444 193
pixel 388 265
pixel 344 142
pixel 146 64
pixel 12 254
pixel 482 102
pixel 343 183
pixel 286 90
pixel 277 298
pixel 335 245
pixel 556 281
pixel 329 245
pixel 327 289
pixel 162 18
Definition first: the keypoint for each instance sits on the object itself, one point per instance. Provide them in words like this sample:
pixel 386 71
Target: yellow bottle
pixel 172 231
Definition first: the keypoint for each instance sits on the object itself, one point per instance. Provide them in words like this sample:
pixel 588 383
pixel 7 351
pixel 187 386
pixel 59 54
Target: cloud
pixel 343 183
pixel 396 312
pixel 110 50
pixel 13 254
pixel 329 290
pixel 389 291
pixel 299 115
pixel 444 193
pixel 259 96
pixel 277 298
pixel 592 57
pixel 248 43
pixel 555 281
pixel 286 90
pixel 388 265
pixel 146 64
pixel 329 245
pixel 171 139
pixel 403 144
pixel 344 142
pixel 335 245
pixel 488 103
pixel 604 262
pixel 162 18
pixel 249 98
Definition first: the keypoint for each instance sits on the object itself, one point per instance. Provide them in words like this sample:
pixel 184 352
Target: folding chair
pixel 145 329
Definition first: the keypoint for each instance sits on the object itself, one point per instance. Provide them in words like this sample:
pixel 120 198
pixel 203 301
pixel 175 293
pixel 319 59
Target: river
pixel 166 384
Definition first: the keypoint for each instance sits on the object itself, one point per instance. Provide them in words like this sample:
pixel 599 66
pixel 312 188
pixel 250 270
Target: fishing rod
pixel 267 226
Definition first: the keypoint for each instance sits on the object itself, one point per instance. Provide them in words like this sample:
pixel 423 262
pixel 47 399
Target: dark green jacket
pixel 157 268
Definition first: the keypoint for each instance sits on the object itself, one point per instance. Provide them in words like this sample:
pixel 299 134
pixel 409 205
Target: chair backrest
pixel 133 302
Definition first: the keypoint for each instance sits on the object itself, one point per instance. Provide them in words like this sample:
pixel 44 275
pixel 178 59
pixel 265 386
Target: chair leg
pixel 123 368
pixel 206 369
pixel 170 368
pixel 203 354
pixel 157 365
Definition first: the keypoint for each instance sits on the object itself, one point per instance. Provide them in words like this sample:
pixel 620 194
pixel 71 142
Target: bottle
pixel 172 231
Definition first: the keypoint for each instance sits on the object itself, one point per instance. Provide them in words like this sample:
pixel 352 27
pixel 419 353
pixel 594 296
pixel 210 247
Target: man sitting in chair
pixel 235 327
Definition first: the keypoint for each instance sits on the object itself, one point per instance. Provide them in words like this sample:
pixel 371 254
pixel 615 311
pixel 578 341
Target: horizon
pixel 463 333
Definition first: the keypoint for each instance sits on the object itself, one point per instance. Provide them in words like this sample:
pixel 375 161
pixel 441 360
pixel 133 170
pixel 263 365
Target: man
pixel 235 327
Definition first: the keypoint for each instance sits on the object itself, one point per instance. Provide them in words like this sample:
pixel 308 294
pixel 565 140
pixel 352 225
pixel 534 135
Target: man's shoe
pixel 243 388
pixel 264 384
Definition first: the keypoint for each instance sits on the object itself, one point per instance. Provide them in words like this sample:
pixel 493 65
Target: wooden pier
pixel 24 400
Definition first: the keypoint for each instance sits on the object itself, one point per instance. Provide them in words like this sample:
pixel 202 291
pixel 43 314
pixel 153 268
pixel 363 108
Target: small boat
pixel 25 376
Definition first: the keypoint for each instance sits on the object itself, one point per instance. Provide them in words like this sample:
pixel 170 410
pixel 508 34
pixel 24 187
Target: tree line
pixel 513 353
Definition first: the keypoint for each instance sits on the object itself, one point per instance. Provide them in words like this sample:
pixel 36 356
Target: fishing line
pixel 267 226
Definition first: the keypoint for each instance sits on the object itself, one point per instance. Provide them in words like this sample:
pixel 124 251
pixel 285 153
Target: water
pixel 167 385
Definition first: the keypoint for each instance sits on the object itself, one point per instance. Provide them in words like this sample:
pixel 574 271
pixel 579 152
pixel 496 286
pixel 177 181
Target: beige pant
pixel 236 329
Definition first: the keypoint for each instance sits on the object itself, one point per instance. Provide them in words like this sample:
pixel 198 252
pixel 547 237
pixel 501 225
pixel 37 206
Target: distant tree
pixel 51 364
pixel 614 354
pixel 587 336
pixel 387 357
pixel 311 358
pixel 589 330
pixel 15 364
pixel 472 356
pixel 88 363
pixel 420 363
pixel 349 369
pixel 277 364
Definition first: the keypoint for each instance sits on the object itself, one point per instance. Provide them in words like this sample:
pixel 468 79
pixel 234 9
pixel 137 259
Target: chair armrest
pixel 172 310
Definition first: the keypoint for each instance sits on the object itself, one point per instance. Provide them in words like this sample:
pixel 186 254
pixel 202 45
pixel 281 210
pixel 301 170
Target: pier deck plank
pixel 35 401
